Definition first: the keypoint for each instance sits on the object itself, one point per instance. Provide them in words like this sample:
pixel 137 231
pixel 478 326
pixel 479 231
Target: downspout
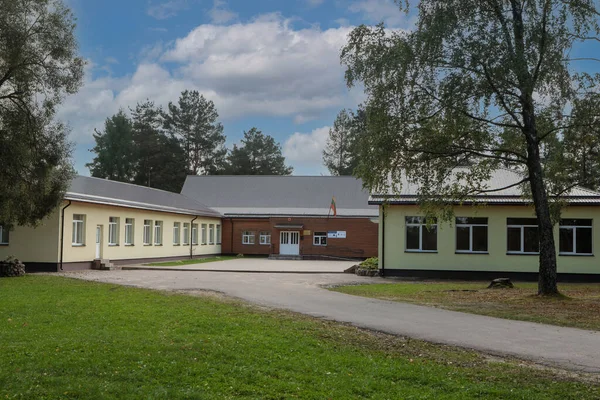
pixel 231 242
pixel 62 233
pixel 192 237
pixel 382 241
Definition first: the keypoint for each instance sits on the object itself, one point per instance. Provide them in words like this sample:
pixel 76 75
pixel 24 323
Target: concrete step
pixel 284 257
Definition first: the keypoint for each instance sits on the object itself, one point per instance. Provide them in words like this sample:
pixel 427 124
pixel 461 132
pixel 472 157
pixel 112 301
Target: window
pixel 320 239
pixel 78 230
pixel 147 232
pixel 203 233
pixel 522 236
pixel 113 231
pixel 176 236
pixel 194 234
pixel 158 233
pixel 218 234
pixel 575 236
pixel 129 231
pixel 247 237
pixel 4 239
pixel 186 233
pixel 265 238
pixel 471 235
pixel 421 236
pixel 211 234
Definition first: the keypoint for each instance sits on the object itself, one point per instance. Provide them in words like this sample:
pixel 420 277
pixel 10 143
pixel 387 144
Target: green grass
pixel 66 339
pixel 579 307
pixel 192 261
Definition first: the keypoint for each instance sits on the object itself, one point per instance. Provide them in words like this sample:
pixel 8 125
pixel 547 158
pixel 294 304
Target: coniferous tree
pixel 259 154
pixel 341 153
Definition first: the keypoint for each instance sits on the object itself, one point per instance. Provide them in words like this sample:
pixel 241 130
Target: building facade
pixel 290 216
pixel 495 237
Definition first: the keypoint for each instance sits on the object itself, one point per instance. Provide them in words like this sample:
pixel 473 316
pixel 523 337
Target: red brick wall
pixel 360 241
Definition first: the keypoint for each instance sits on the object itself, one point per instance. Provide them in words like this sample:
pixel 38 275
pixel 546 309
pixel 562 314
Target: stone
pixel 501 283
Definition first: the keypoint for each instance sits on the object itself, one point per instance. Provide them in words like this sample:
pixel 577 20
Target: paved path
pixel 565 347
pixel 258 265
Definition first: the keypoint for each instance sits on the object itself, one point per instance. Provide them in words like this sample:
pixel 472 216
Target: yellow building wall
pixel 39 244
pixel 446 257
pixel 98 215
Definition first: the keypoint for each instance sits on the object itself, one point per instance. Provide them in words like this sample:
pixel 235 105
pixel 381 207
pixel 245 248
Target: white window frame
pixel 248 237
pixel 129 231
pixel 317 239
pixel 211 234
pixel 264 238
pixel 113 231
pixel 2 232
pixel 158 233
pixel 78 227
pixel 176 233
pixel 574 228
pixel 147 237
pixel 219 234
pixel 186 234
pixel 522 228
pixel 203 234
pixel 470 226
pixel 422 224
pixel 194 234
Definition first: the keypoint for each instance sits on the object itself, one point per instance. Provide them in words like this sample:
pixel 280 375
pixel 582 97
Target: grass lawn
pixel 192 261
pixel 70 339
pixel 580 308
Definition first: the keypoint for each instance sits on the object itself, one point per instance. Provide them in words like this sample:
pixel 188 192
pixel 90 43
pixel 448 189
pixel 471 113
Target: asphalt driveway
pixel 569 348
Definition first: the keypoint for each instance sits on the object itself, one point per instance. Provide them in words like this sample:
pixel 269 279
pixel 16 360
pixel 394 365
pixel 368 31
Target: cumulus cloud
pixel 166 9
pixel 306 149
pixel 264 67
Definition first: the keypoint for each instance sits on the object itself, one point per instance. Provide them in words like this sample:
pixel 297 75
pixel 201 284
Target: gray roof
pixel 103 191
pixel 501 179
pixel 244 195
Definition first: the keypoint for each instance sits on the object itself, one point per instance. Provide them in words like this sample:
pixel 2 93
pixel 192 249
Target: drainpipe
pixel 382 241
pixel 231 243
pixel 192 238
pixel 62 233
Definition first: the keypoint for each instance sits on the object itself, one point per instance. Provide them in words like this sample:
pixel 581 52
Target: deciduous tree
pixel 489 80
pixel 39 66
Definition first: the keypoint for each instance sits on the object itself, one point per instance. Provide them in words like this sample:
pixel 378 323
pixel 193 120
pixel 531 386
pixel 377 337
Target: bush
pixel 370 263
pixel 11 267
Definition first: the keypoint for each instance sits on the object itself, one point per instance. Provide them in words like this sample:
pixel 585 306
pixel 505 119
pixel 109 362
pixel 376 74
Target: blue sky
pixel 273 64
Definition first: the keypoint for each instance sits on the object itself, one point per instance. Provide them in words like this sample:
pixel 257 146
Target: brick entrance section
pixel 360 241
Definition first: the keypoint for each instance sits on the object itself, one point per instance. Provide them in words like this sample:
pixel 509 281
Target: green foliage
pixel 39 66
pixel 370 263
pixel 259 154
pixel 11 267
pixel 194 122
pixel 115 150
pixel 341 154
pixel 477 85
pixel 69 339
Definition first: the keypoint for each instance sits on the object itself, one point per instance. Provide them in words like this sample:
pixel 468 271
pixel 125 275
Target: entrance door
pixel 98 242
pixel 289 243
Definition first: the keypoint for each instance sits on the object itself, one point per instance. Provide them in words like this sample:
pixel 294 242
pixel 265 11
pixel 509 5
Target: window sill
pixel 176 244
pixel 513 253
pixel 147 245
pixel 575 255
pixel 4 244
pixel 113 245
pixel 421 251
pixel 157 245
pixel 129 245
pixel 78 245
pixel 472 252
pixel 211 244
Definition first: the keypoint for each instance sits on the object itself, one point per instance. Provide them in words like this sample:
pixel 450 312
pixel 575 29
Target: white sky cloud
pixel 220 13
pixel 166 9
pixel 261 68
pixel 306 149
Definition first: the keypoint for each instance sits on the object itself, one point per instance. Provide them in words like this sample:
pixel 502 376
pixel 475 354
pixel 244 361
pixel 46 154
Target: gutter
pixel 62 233
pixel 192 237
pixel 383 241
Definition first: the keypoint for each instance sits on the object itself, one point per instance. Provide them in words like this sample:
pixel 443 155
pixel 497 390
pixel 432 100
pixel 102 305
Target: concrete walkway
pixel 257 265
pixel 569 348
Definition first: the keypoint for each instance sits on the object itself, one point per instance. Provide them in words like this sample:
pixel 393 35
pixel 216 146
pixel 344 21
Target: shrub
pixel 370 263
pixel 11 267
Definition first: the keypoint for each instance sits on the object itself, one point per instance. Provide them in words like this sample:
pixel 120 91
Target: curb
pixel 246 271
